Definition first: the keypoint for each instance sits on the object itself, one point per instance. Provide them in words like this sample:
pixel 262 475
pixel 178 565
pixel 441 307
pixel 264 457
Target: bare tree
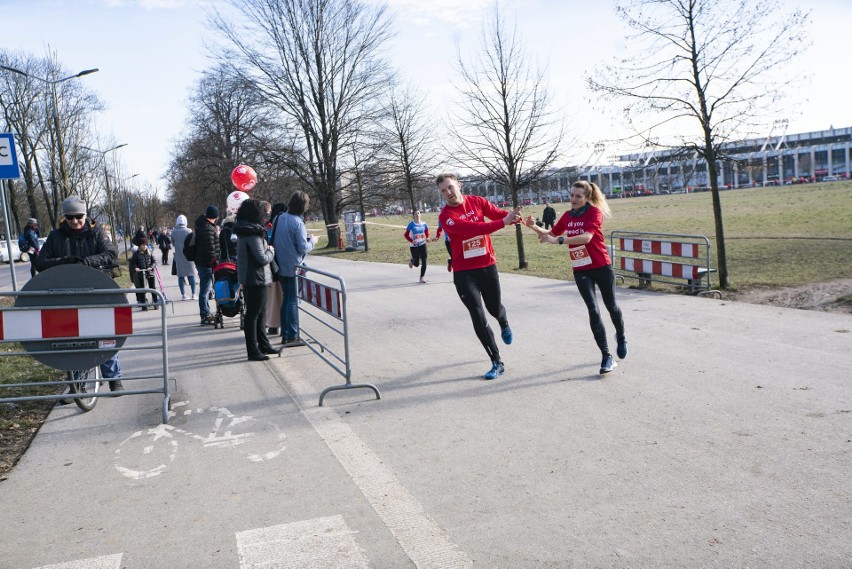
pixel 707 70
pixel 27 105
pixel 506 133
pixel 229 123
pixel 318 62
pixel 409 141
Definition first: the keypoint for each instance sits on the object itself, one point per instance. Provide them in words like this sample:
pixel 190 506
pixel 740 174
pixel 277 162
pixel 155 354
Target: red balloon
pixel 244 178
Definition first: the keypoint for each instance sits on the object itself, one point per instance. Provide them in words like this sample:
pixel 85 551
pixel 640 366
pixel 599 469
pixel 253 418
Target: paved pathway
pixel 722 441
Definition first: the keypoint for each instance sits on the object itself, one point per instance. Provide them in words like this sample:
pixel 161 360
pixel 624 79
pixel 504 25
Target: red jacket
pixel 469 231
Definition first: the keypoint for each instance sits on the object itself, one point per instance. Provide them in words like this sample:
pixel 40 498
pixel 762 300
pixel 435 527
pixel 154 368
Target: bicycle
pixel 84 382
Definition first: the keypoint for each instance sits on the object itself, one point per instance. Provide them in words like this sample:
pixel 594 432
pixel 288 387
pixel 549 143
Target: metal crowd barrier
pixel 77 329
pixel 668 258
pixel 325 303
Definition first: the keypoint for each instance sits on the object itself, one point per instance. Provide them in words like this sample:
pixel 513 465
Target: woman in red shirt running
pixel 583 229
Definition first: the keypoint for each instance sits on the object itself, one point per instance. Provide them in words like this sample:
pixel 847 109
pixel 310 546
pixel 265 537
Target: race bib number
pixel 579 256
pixel 419 238
pixel 474 247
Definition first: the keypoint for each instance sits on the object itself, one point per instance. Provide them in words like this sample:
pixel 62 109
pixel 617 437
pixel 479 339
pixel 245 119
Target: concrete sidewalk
pixel 723 440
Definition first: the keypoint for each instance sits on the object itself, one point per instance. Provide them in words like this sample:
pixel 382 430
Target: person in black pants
pixel 582 227
pixel 165 244
pixel 253 258
pixel 142 270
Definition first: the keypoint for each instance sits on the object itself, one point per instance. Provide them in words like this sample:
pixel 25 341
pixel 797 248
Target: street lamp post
pixel 110 202
pixel 59 145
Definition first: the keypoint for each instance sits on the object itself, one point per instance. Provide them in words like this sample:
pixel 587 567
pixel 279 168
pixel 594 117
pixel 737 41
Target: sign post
pixel 8 171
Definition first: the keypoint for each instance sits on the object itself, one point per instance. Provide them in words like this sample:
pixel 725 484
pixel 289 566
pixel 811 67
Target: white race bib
pixel 474 247
pixel 579 256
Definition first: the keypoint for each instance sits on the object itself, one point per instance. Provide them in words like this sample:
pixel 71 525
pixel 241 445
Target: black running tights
pixel 604 278
pixel 476 286
pixel 418 254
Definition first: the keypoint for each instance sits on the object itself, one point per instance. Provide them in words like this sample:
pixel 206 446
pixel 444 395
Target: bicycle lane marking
pixel 419 536
pixel 103 562
pixel 321 542
pixel 148 453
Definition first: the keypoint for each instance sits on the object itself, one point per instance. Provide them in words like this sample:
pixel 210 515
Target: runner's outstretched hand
pixel 514 216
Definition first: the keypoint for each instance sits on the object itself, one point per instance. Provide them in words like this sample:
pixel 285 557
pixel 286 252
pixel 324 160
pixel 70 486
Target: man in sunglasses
pixel 79 241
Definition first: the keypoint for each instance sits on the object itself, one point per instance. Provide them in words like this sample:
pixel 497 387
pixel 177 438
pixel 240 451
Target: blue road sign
pixel 8 157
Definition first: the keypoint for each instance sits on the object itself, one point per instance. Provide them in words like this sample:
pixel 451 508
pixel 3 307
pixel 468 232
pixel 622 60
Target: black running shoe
pixel 621 350
pixel 607 364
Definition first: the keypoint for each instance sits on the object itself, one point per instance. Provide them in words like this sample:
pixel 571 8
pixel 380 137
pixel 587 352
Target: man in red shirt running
pixel 474 264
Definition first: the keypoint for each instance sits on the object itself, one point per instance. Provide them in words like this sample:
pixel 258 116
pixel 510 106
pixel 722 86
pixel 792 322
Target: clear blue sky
pixel 150 52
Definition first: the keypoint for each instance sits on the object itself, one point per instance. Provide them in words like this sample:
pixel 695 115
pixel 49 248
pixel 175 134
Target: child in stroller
pixel 228 294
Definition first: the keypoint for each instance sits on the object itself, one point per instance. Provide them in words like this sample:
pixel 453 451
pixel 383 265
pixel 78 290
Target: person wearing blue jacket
pixel 292 242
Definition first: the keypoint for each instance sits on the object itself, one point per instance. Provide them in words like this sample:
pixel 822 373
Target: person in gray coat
pixel 254 256
pixel 185 269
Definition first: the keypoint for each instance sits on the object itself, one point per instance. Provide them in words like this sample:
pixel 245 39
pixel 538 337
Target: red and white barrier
pixel 323 297
pixel 647 266
pixel 668 248
pixel 46 323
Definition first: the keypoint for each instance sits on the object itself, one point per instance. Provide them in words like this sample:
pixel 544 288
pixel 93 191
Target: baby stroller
pixel 228 294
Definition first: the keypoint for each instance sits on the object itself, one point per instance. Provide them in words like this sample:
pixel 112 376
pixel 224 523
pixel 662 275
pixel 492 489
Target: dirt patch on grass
pixel 834 296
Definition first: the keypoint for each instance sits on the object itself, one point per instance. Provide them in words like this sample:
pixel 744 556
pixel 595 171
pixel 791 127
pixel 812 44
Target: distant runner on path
pixel 417 235
pixel 474 264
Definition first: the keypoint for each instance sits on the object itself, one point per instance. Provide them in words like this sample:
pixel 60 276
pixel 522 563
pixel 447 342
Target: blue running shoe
pixel 607 364
pixel 506 334
pixel 621 350
pixel 496 370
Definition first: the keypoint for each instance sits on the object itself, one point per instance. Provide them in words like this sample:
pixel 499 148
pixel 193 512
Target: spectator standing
pixel 548 218
pixel 164 242
pixel 78 240
pixel 292 243
pixel 227 239
pixel 253 258
pixel 142 272
pixel 184 268
pixel 274 296
pixel 206 257
pixel 30 240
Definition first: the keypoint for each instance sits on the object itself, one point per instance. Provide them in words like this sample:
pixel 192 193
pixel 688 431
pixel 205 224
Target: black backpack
pixel 190 248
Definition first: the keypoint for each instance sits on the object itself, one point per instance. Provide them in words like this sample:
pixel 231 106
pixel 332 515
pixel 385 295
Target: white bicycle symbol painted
pixel 148 453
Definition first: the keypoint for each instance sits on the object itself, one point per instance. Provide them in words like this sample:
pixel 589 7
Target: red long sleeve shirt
pixel 469 231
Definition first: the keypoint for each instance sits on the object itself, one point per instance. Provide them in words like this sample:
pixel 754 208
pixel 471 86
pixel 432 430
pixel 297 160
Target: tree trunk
pixel 721 257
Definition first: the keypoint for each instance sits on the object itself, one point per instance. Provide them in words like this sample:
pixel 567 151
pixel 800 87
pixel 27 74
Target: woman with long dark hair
pixel 253 272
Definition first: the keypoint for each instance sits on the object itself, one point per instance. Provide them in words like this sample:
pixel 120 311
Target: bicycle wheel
pixel 85 381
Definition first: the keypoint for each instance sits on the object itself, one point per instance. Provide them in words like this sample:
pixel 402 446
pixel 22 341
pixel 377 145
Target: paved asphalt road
pixel 723 440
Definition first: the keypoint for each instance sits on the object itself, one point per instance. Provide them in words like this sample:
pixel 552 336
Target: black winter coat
pixel 227 247
pixel 141 259
pixel 164 241
pixel 90 247
pixel 206 243
pixel 253 254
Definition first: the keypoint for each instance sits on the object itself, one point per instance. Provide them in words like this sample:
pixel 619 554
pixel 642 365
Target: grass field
pixel 787 235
